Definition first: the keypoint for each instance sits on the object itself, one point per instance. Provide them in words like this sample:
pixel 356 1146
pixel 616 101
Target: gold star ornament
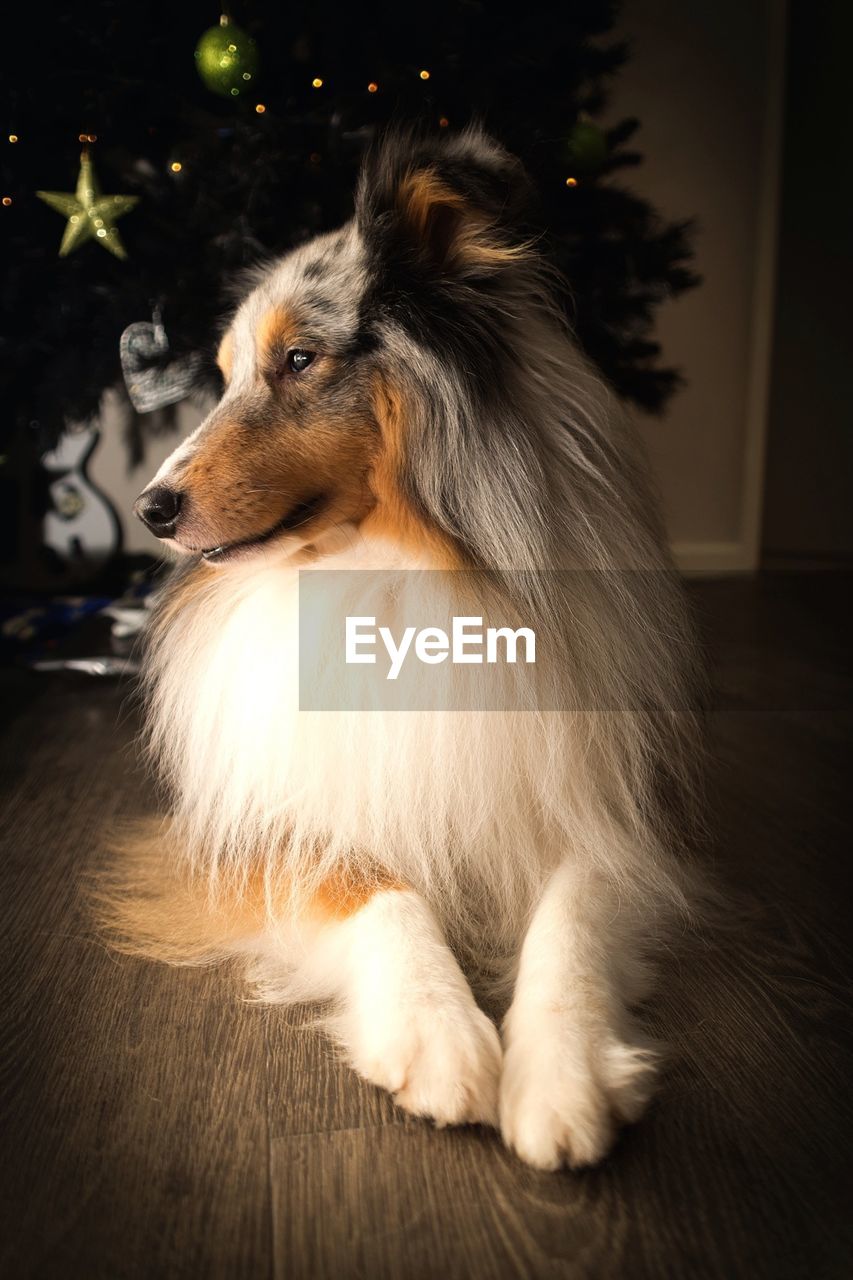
pixel 91 215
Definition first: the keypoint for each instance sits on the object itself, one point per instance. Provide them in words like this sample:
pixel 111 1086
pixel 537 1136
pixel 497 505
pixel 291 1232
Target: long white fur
pixel 472 809
pixel 575 1064
pixel 404 1013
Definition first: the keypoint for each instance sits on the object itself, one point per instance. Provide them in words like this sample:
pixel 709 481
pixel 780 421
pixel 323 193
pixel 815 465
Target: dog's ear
pixel 451 206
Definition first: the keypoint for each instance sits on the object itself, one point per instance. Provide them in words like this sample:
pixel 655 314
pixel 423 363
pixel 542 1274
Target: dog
pixel 403 396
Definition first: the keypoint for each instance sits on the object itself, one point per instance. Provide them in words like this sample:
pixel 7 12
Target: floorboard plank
pixel 135 1099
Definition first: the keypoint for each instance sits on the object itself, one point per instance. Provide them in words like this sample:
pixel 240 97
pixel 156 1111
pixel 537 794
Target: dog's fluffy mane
pixel 516 455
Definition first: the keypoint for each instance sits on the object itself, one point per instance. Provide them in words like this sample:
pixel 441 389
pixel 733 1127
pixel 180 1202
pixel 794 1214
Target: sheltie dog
pixel 403 395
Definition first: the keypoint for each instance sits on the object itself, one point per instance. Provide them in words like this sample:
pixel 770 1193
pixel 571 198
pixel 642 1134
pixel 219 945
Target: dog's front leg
pixel 574 1065
pixel 405 1014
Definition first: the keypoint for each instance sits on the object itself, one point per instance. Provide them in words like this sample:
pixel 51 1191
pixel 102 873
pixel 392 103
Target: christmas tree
pixel 220 142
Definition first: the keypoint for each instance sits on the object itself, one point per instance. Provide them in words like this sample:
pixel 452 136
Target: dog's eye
pixel 298 359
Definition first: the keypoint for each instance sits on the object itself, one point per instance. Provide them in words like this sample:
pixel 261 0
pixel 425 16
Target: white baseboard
pixel 713 557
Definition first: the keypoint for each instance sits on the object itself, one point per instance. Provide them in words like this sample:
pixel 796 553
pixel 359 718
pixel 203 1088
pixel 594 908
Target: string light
pixel 424 75
pixel 571 182
pixel 260 108
pixel 87 137
pixel 7 200
pixel 317 82
pixel 13 137
pixel 176 166
pixel 373 87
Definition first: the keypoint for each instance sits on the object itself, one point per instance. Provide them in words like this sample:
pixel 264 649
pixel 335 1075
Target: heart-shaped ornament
pixel 152 379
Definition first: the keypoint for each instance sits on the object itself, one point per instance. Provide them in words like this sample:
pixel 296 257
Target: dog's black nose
pixel 159 508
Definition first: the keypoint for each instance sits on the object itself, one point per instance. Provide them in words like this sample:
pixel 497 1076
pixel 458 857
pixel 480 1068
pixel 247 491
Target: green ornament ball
pixel 226 58
pixel 587 146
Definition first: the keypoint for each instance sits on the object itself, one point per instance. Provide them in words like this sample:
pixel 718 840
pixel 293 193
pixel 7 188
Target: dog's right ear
pixel 448 208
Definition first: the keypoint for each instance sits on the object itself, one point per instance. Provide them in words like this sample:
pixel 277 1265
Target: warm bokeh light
pixel 317 82
pixel 7 200
pixel 260 108
pixel 425 75
pixel 443 122
pixel 176 166
pixel 373 87
pixel 571 182
pixel 13 137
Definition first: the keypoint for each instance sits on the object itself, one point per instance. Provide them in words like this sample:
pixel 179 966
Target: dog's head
pixel 314 426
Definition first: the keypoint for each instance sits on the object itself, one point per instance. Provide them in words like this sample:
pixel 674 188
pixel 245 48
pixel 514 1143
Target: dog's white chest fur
pixel 447 802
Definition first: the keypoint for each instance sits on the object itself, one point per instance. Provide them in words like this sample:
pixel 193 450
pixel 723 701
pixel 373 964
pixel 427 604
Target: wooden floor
pixel 158 1126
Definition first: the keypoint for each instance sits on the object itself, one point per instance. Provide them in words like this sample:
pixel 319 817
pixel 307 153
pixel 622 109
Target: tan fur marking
pixel 470 238
pixel 213 458
pixel 276 327
pixel 225 357
pixel 392 518
pixel 421 194
pixel 147 905
pixel 345 893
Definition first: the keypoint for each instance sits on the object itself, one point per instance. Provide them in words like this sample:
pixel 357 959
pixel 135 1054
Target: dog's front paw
pixel 439 1060
pixel 566 1090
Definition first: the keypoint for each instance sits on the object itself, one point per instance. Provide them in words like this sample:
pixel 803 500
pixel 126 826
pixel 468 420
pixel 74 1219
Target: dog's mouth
pixel 298 516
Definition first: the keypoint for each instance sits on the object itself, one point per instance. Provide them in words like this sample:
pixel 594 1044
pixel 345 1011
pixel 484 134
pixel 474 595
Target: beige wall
pixel 704 79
